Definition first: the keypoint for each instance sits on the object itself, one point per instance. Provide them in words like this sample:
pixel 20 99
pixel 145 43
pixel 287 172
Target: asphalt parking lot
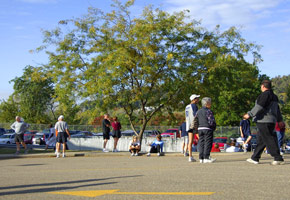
pixel 117 176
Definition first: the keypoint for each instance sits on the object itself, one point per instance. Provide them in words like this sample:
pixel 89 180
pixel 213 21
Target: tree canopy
pixel 148 64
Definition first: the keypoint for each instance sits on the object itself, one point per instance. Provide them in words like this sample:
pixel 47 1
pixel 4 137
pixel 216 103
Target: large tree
pixel 33 93
pixel 144 64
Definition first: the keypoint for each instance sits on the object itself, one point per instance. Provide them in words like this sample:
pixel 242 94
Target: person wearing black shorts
pixel 61 130
pixel 116 132
pixel 19 126
pixel 106 130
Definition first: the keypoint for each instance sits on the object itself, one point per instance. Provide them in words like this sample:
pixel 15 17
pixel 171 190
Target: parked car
pixel 2 131
pixel 7 138
pixel 28 136
pixel 73 132
pixel 128 133
pixel 83 134
pixel 222 142
pixel 151 133
pixel 10 131
pixel 40 138
pixel 171 133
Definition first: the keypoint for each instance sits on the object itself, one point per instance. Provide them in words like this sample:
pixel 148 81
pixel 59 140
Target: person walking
pixel 205 123
pixel 190 112
pixel 266 113
pixel 19 126
pixel 106 131
pixel 116 132
pixel 184 137
pixel 245 130
pixel 62 133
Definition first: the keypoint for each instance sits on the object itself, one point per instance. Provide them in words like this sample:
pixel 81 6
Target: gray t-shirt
pixel 19 127
pixel 61 126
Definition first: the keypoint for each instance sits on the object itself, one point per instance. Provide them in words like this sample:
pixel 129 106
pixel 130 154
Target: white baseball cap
pixel 192 97
pixel 60 117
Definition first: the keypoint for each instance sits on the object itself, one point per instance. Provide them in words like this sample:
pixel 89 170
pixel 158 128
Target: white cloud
pixel 225 12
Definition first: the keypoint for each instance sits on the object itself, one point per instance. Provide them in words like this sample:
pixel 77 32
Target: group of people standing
pixel 116 133
pixel 58 135
pixel 266 114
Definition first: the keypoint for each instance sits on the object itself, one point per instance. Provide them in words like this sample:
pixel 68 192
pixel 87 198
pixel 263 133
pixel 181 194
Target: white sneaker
pixel 201 161
pixel 57 155
pixel 105 150
pixel 136 154
pixel 132 154
pixel 63 155
pixel 210 160
pixel 148 154
pixel 158 154
pixel 252 161
pixel 191 159
pixel 277 162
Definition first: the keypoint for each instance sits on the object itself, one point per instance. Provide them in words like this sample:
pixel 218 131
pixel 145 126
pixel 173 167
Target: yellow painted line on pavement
pixel 167 193
pixel 95 193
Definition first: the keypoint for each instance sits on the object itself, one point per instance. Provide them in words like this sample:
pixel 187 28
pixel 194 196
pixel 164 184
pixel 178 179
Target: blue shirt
pixel 182 128
pixel 194 109
pixel 245 124
pixel 156 142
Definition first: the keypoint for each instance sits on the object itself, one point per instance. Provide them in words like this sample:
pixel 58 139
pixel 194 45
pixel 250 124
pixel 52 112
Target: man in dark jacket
pixel 266 113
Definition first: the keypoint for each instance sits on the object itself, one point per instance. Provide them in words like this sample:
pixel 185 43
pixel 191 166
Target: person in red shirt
pixel 116 132
pixel 280 131
pixel 215 148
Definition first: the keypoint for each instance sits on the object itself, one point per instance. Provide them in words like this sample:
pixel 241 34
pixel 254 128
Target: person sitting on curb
pixel 135 146
pixel 233 147
pixel 156 146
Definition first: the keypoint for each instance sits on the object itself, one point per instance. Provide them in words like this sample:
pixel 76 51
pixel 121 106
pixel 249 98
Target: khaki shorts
pixel 185 139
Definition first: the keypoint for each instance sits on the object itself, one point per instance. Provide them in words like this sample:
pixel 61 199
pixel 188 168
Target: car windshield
pixel 5 136
pixel 220 140
pixel 170 131
pixel 38 136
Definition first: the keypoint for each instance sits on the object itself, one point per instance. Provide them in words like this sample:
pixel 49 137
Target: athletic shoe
pixel 105 150
pixel 210 160
pixel 191 159
pixel 250 160
pixel 57 155
pixel 63 155
pixel 148 154
pixel 201 161
pixel 158 154
pixel 185 154
pixel 277 162
pixel 132 154
pixel 136 154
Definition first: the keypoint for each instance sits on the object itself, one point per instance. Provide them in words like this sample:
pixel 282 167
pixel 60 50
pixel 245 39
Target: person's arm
pixel 13 126
pixel 241 130
pixel 68 133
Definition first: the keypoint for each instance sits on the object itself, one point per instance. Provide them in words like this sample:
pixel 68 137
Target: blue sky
pixel 265 22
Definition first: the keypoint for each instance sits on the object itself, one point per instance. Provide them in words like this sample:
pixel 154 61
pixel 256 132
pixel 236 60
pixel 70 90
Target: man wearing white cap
pixel 61 132
pixel 190 112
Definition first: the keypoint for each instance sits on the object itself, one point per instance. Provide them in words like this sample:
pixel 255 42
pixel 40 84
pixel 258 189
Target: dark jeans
pixel 155 149
pixel 205 143
pixel 266 137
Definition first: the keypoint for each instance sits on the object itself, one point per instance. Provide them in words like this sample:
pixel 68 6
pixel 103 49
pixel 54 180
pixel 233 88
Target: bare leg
pixel 115 142
pixel 63 148
pixel 57 147
pixel 17 146
pixel 105 143
pixel 190 140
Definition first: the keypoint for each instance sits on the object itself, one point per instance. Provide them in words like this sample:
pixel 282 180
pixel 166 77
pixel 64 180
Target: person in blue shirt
pixel 156 146
pixel 184 138
pixel 245 132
